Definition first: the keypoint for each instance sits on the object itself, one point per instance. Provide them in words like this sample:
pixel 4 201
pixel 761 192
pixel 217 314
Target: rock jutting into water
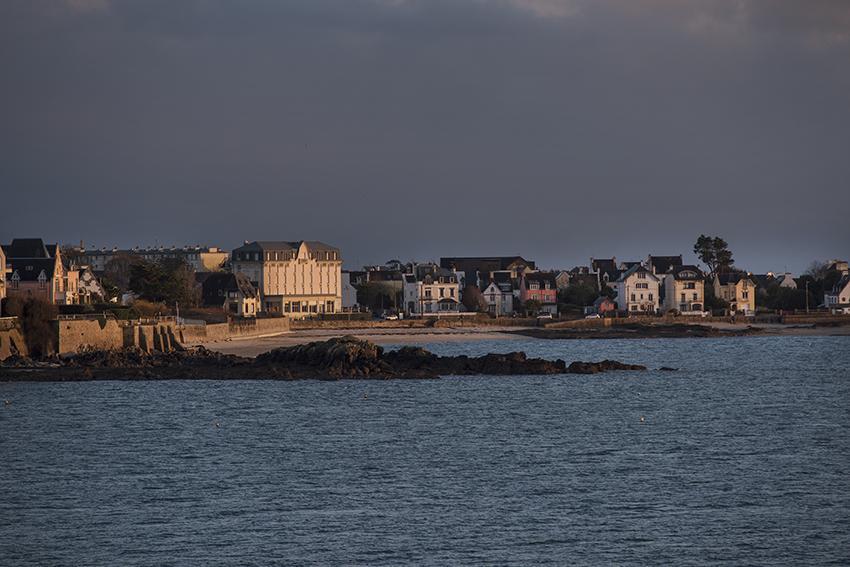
pixel 338 358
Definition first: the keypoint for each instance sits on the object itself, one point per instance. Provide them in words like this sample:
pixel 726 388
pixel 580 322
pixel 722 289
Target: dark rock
pixel 579 367
pixel 338 358
pixel 668 369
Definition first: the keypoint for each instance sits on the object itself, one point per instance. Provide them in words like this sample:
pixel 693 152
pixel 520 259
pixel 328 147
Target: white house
pixel 638 291
pixel 431 290
pixel 349 292
pixel 839 296
pixel 499 294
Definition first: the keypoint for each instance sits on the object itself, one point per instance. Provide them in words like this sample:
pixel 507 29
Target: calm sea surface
pixel 743 457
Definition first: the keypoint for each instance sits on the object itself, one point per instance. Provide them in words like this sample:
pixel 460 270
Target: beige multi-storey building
pixel 684 290
pixel 737 289
pixel 298 279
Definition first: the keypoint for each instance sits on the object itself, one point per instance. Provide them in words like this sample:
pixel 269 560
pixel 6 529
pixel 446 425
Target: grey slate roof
pixel 26 248
pixel 680 272
pixel 28 269
pixel 663 264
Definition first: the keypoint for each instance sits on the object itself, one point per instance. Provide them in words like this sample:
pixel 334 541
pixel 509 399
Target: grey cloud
pixel 414 128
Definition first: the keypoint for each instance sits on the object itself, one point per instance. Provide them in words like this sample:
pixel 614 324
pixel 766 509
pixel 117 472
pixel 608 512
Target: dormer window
pixel 16 280
pixel 42 280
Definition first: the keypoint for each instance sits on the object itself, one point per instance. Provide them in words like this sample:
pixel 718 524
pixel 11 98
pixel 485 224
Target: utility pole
pixel 807 296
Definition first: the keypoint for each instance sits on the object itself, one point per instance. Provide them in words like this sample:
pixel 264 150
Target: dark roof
pixel 663 264
pixel 841 284
pixel 502 279
pixel 28 269
pixel 606 266
pixel 26 248
pixel 681 272
pixel 432 271
pixel 635 269
pixel 269 245
pixel 763 280
pixel 383 276
pixel 542 277
pixel 726 278
pixel 602 299
pixel 216 286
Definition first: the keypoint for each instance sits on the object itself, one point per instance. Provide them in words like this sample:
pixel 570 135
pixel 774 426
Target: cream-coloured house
pixel 298 279
pixel 431 290
pixel 638 291
pixel 738 289
pixel 684 290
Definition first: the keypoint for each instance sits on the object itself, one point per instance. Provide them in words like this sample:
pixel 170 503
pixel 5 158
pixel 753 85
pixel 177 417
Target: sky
pixel 414 129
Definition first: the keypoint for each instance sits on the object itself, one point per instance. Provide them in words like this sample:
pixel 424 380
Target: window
pixel 745 294
pixel 696 296
pixel 641 275
pixel 651 298
pixel 634 307
pixel 442 292
pixel 16 280
pixel 634 298
pixel 427 293
pixel 683 297
pixel 452 292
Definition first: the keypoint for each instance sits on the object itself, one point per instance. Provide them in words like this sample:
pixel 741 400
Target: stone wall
pixel 194 334
pixel 76 334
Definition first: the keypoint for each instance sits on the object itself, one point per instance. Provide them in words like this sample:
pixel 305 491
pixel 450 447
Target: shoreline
pixel 252 346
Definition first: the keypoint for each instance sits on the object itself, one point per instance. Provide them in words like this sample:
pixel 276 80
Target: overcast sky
pixel 555 129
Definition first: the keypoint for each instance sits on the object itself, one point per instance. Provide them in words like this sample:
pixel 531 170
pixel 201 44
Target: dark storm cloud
pixel 556 129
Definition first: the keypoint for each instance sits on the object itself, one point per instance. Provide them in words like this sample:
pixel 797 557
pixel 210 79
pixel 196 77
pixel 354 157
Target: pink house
pixel 540 287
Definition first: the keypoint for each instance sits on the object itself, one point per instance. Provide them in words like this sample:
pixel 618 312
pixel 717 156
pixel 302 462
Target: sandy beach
pixel 256 345
pixel 253 346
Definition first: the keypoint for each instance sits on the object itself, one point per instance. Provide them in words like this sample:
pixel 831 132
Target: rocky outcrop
pixel 339 358
pixel 579 367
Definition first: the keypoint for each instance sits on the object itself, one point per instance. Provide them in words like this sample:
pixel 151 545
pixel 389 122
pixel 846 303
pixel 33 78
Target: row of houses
pixel 29 268
pixel 305 278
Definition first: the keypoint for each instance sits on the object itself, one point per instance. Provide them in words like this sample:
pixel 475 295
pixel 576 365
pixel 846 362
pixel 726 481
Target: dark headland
pixel 339 358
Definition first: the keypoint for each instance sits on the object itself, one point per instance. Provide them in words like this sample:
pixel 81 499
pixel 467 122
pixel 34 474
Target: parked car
pixel 594 316
pixel 544 316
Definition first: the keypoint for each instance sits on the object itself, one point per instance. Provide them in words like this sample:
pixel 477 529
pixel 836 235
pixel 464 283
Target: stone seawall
pixel 417 323
pixel 76 334
pixel 194 334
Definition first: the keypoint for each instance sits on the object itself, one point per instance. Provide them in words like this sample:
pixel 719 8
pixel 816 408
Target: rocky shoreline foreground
pixel 338 358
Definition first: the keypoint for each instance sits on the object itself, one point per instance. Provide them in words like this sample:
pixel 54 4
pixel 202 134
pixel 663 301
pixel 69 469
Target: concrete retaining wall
pixel 193 334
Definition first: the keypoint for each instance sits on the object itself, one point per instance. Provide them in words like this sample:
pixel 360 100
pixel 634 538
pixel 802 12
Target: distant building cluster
pixel 301 279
